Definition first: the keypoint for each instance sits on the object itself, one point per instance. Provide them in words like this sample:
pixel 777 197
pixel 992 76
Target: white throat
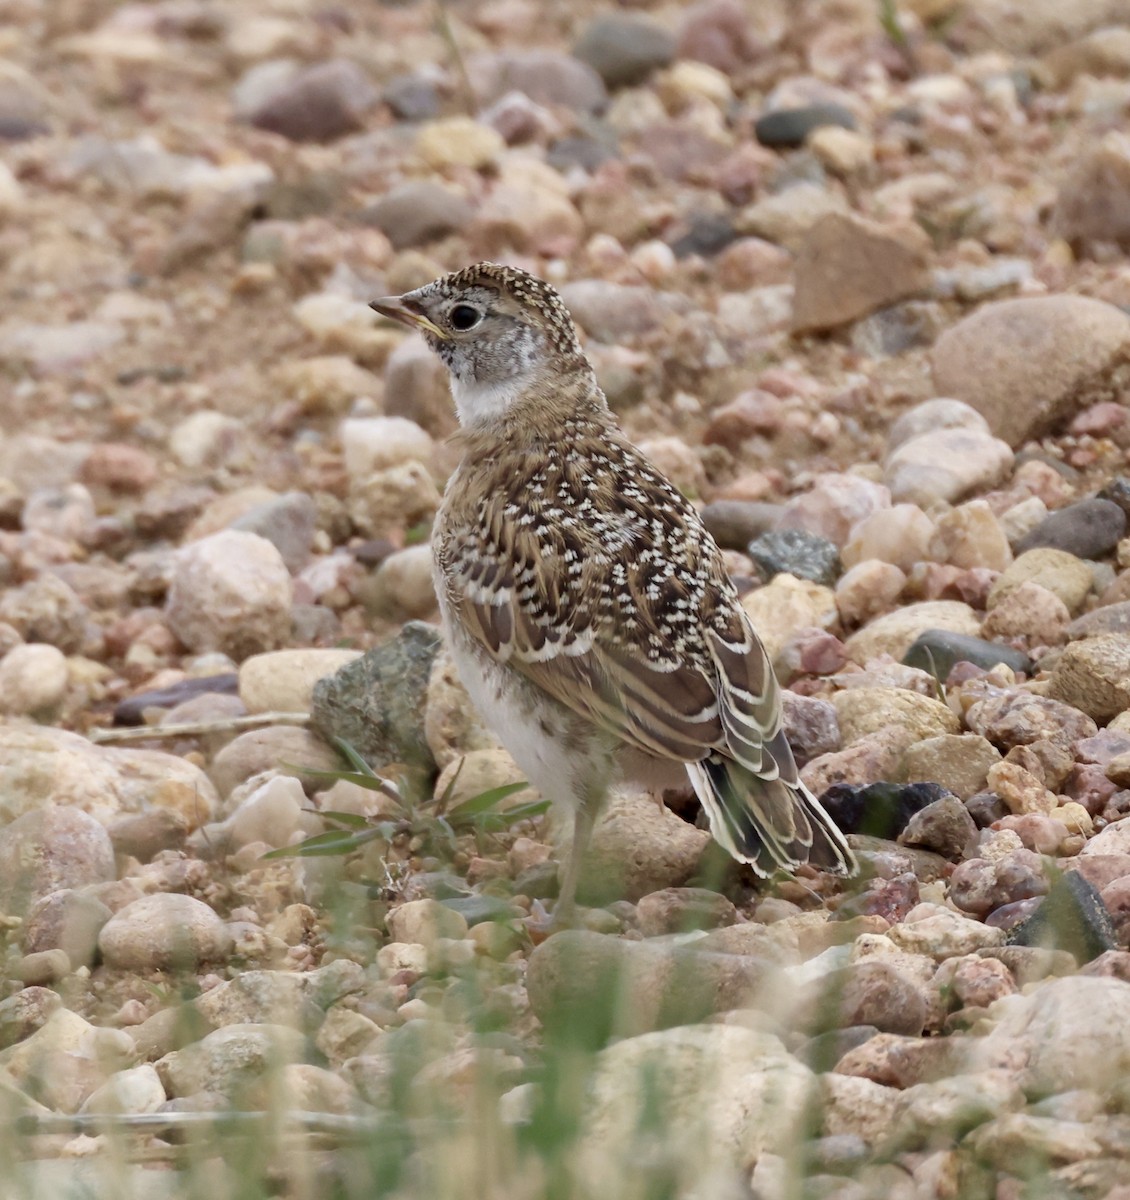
pixel 481 403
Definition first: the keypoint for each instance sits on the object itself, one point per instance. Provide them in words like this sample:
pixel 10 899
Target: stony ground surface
pixel 854 275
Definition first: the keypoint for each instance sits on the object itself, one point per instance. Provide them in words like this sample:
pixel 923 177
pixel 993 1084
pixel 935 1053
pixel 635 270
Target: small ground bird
pixel 586 605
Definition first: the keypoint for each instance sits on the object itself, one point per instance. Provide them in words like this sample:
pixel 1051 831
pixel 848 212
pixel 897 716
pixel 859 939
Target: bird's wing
pixel 665 659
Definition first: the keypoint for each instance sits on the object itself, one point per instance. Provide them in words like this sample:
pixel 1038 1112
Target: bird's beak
pixel 397 308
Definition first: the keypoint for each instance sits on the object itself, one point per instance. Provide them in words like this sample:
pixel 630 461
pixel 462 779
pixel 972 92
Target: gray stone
pixel 1087 529
pixel 288 523
pixel 377 702
pixel 49 849
pixel 624 48
pixel 545 76
pixel 786 128
pixel 418 212
pixel 797 552
pixel 165 931
pixel 944 827
pixel 937 650
pixel 317 104
pixel 735 523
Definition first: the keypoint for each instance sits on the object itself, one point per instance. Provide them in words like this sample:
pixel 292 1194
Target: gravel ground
pixel 857 283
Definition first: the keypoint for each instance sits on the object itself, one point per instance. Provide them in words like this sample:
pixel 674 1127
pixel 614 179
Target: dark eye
pixel 463 317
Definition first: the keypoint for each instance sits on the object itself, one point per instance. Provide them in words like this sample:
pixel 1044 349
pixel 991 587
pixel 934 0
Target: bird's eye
pixel 464 317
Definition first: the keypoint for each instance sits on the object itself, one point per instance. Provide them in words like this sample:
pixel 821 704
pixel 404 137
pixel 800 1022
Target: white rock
pixel 283 680
pixel 834 505
pixel 33 679
pixel 375 443
pixel 137 1090
pixel 205 439
pixel 900 535
pixel 271 814
pixel 165 931
pixel 230 592
pixel 946 464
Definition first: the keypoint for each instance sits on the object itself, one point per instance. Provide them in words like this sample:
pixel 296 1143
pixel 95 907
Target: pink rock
pixel 834 505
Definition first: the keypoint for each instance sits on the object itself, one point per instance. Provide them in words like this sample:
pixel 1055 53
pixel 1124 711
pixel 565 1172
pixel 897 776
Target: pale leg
pixel 564 911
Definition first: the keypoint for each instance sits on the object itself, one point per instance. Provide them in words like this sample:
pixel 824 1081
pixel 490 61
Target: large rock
pixel 722 1095
pixel 40 765
pixel 1072 1033
pixel 1093 205
pixel 848 267
pixel 1093 676
pixel 230 592
pixel 639 846
pixel 1028 364
pixel 48 850
pixel 162 932
pixel 377 702
pixel 946 464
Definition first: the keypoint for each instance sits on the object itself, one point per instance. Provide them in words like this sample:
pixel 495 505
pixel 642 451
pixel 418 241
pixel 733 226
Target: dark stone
pixel 1087 529
pixel 319 104
pixel 897 328
pixel 131 711
pixel 547 77
pixel 376 703
pixel 786 128
pixel 796 552
pixel 412 97
pixel 705 234
pixel 144 835
pixel 985 808
pixel 944 827
pixel 624 49
pixel 735 523
pixel 580 151
pixel 937 650
pixel 880 810
pixel 416 213
pixel 822 1052
pixel 22 129
pixel 1072 917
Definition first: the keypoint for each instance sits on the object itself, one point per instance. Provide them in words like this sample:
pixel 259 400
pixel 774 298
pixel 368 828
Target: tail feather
pixel 769 823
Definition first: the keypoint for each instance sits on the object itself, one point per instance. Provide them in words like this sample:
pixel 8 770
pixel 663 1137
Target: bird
pixel 586 606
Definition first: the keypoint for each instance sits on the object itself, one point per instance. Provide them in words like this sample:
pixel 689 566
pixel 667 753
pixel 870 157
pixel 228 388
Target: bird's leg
pixel 584 818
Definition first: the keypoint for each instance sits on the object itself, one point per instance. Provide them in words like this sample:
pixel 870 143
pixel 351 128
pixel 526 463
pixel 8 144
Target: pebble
pixel 283 680
pixel 787 218
pixel 902 536
pixel 326 383
pixel 945 827
pixel 946 464
pixel 314 104
pixel 894 633
pixel 787 128
pixel 165 931
pixel 785 605
pixel 286 748
pixel 134 1090
pixel 376 703
pixel 834 505
pixel 846 267
pixel 797 553
pixel 226 1060
pixel 372 444
pixel 402 588
pixel 1088 529
pixel 959 762
pixel 971 537
pixel 48 849
pixel 1063 574
pixel 207 439
pixel 33 680
pixel 638 846
pixel 424 922
pixel 624 48
pixel 288 522
pixel 418 212
pixel 735 523
pixel 1093 676
pixel 458 142
pixel 46 610
pixel 546 77
pixel 611 312
pixel 1092 202
pixel 679 910
pixel 865 710
pixel 416 388
pixel 867 590
pixel 68 920
pixel 1029 611
pixel 1071 344
pixel 939 650
pixel 230 592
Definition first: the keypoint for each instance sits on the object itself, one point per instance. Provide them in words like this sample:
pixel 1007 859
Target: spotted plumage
pixel 587 606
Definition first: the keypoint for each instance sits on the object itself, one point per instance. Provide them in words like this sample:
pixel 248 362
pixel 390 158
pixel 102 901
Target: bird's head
pixel 504 335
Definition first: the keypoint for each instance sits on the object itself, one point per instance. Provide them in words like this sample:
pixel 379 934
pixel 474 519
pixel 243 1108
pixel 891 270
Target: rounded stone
pixel 789 127
pixel 1068 577
pixel 33 679
pixel 624 48
pixel 946 464
pixel 1087 529
pixel 283 680
pixel 895 632
pixel 50 849
pixel 1093 676
pixel 933 416
pixel 165 931
pixel 1027 364
pixel 230 592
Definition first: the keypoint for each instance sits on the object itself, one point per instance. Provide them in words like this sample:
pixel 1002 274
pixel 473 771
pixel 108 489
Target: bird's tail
pixel 769 819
